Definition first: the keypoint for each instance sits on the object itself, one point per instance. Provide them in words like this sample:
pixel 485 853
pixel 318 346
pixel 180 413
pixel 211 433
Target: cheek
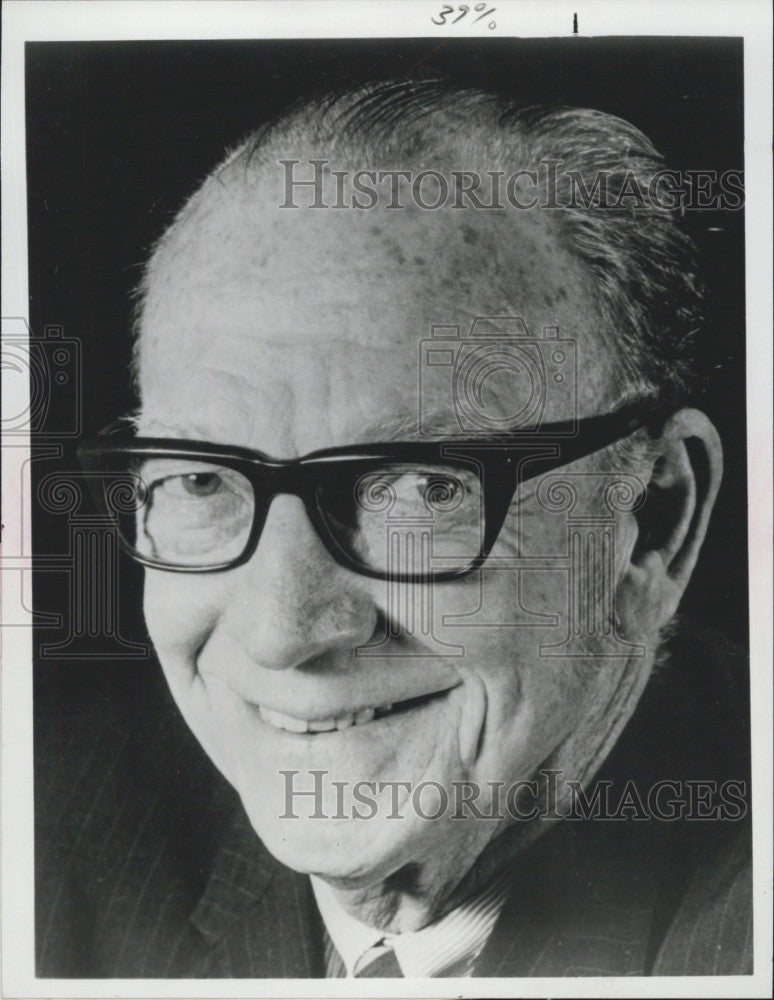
pixel 533 701
pixel 181 611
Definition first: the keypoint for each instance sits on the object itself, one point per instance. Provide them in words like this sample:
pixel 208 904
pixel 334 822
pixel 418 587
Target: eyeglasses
pixel 406 511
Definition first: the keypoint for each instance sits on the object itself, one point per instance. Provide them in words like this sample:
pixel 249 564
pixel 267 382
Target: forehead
pixel 319 320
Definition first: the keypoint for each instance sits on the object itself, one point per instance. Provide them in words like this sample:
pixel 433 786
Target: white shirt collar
pixel 448 947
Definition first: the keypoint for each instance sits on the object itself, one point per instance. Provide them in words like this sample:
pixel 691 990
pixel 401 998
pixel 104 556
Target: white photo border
pixel 42 20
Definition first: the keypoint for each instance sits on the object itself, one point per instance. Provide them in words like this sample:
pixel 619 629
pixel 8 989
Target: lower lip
pixel 400 710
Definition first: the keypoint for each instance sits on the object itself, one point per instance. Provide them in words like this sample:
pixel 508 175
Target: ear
pixel 671 524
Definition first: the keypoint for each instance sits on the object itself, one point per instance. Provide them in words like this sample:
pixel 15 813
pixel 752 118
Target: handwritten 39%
pixel 462 10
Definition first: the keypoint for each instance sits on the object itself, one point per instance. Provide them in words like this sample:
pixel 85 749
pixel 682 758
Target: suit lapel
pixel 257 917
pixel 578 908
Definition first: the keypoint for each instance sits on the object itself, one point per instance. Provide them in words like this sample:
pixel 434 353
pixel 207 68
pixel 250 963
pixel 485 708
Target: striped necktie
pixel 384 966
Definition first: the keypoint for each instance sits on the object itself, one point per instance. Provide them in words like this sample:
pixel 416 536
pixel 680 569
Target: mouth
pixel 346 720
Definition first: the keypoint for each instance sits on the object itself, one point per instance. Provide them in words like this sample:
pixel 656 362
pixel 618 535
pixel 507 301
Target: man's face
pixel 291 331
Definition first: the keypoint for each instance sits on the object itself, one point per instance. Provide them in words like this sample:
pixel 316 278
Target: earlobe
pixel 672 523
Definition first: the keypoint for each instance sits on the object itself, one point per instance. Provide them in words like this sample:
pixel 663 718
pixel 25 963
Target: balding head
pixel 633 259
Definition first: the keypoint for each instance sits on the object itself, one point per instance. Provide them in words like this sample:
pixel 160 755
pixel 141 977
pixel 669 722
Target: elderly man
pixel 418 494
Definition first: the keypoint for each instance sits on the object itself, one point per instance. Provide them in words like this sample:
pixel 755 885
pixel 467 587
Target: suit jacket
pixel 146 864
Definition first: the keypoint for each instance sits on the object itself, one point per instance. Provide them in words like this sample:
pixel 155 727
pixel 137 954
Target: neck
pixel 419 894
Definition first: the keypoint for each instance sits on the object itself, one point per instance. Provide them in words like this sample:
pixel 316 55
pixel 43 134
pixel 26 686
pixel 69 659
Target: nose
pixel 292 603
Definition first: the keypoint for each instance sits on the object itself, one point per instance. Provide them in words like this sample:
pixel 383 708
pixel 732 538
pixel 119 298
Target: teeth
pixel 287 722
pixel 280 721
pixel 321 725
pixel 268 716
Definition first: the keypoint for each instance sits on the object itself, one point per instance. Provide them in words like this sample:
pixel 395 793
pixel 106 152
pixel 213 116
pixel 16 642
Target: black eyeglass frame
pixel 500 463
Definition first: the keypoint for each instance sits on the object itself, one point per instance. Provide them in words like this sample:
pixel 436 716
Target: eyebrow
pixel 390 429
pixel 394 427
pixel 402 427
pixel 169 428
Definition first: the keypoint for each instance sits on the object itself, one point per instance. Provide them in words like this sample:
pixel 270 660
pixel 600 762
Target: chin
pixel 326 848
pixel 352 852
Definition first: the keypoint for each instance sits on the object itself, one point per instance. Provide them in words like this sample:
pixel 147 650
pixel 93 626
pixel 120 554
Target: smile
pixel 344 721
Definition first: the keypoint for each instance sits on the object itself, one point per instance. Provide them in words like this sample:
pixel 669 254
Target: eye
pixel 200 484
pixel 443 492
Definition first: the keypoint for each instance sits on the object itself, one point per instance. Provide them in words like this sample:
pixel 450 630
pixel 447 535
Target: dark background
pixel 120 133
